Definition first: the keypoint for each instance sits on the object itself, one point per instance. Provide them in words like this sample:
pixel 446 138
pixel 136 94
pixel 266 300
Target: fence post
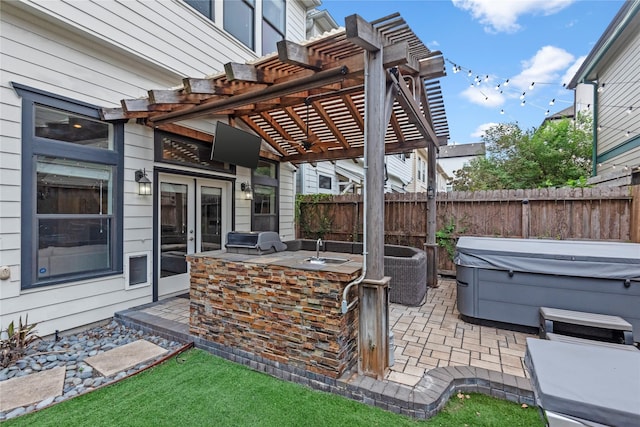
pixel 634 226
pixel 526 213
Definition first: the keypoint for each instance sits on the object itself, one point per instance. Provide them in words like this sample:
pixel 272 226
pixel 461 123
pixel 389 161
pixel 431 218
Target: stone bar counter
pixel 277 307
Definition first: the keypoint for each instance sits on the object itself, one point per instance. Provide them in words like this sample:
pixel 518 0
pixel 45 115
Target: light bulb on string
pixel 630 110
pixel 506 83
pixel 553 101
pixel 601 88
pixel 498 86
pixel 522 103
pixel 470 73
pixel 522 96
pixel 486 78
pixel 501 111
pixel 599 128
pixel 531 85
pixel 546 113
pixel 627 133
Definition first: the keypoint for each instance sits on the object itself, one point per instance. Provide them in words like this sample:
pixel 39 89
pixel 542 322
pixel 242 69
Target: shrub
pixel 14 341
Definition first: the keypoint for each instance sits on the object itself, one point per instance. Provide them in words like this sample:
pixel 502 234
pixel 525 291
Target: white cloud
pixel 544 67
pixel 502 16
pixel 571 71
pixel 480 130
pixel 484 95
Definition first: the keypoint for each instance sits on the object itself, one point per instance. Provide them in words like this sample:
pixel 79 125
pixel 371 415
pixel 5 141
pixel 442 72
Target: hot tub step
pixel 593 321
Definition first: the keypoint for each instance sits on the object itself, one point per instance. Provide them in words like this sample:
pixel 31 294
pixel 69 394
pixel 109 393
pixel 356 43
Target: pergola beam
pixel 276 90
pixel 296 54
pixel 354 152
pixel 432 68
pixel 362 33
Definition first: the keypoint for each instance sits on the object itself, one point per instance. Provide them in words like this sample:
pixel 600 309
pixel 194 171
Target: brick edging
pixel 422 401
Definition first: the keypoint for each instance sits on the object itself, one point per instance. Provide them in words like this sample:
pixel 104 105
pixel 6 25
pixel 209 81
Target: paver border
pixel 422 401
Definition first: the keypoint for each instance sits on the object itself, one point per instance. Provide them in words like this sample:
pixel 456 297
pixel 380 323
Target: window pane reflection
pixel 67 127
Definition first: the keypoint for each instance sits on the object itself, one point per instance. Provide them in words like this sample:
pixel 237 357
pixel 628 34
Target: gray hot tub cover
pixel 581 258
pixel 594 383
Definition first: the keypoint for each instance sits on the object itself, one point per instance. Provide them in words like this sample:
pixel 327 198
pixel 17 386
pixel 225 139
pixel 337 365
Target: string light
pixel 503 84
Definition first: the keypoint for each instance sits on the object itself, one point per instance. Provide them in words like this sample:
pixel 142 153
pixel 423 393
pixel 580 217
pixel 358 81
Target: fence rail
pixel 599 213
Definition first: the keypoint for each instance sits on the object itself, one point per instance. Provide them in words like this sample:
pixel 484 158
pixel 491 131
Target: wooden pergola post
pixel 373 333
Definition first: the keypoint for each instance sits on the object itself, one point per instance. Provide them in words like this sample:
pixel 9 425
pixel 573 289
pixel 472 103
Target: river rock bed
pixel 70 351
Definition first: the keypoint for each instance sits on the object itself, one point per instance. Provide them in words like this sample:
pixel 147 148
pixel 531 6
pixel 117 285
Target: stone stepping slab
pixel 30 389
pixel 125 357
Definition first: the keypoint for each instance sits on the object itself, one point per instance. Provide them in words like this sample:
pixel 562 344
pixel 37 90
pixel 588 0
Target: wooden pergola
pixel 307 101
pixel 369 90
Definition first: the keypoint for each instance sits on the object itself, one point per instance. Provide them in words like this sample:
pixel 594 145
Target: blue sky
pixel 525 41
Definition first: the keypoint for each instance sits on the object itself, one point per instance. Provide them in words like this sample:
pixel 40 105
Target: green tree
pixel 554 155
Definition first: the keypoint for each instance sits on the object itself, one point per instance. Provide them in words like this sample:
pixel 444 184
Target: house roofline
pixel 617 26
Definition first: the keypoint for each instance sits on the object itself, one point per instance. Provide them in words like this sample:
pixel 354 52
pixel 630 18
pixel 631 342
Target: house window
pixel 422 170
pixel 324 182
pixel 180 150
pixel 72 165
pixel 265 197
pixel 273 24
pixel 205 7
pixel 239 19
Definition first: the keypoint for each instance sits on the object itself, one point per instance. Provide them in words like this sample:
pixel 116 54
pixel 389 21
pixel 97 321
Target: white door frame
pixel 190 226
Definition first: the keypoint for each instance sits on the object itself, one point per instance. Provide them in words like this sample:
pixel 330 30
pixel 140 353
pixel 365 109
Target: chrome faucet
pixel 318 245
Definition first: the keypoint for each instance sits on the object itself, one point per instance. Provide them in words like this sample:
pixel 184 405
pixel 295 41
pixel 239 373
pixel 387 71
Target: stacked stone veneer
pixel 281 314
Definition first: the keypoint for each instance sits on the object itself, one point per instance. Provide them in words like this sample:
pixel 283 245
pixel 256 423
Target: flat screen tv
pixel 235 146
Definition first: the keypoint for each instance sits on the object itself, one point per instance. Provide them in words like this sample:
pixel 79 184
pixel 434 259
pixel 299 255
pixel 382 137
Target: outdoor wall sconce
pixel 430 193
pixel 248 192
pixel 144 183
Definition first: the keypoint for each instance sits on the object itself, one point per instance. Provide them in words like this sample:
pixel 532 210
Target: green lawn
pixel 199 389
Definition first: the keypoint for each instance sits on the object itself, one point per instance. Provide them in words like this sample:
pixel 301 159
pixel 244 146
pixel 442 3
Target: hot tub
pixel 406 266
pixel 508 280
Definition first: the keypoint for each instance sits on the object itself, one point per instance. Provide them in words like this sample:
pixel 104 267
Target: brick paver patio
pixel 425 337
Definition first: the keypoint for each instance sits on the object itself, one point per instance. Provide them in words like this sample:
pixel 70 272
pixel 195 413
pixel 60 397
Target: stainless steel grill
pixel 254 242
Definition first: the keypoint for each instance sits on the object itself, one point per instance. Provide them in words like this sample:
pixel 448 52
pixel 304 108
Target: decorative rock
pixel 44 403
pixel 16 412
pixel 70 351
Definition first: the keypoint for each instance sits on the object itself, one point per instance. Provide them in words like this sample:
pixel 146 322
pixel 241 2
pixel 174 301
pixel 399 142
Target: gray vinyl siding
pixel 101 52
pixel 621 90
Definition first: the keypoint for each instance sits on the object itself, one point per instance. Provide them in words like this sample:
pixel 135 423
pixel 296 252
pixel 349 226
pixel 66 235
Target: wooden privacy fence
pixel 599 213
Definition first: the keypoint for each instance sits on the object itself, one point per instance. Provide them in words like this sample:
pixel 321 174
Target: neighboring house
pixel 75 233
pixel 455 157
pixel 114 118
pixel 418 183
pixel 606 86
pixel 567 113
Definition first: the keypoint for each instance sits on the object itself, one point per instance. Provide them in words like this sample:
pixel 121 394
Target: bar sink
pixel 325 260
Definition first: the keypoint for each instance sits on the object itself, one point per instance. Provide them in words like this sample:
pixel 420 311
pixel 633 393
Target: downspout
pixel 594 154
